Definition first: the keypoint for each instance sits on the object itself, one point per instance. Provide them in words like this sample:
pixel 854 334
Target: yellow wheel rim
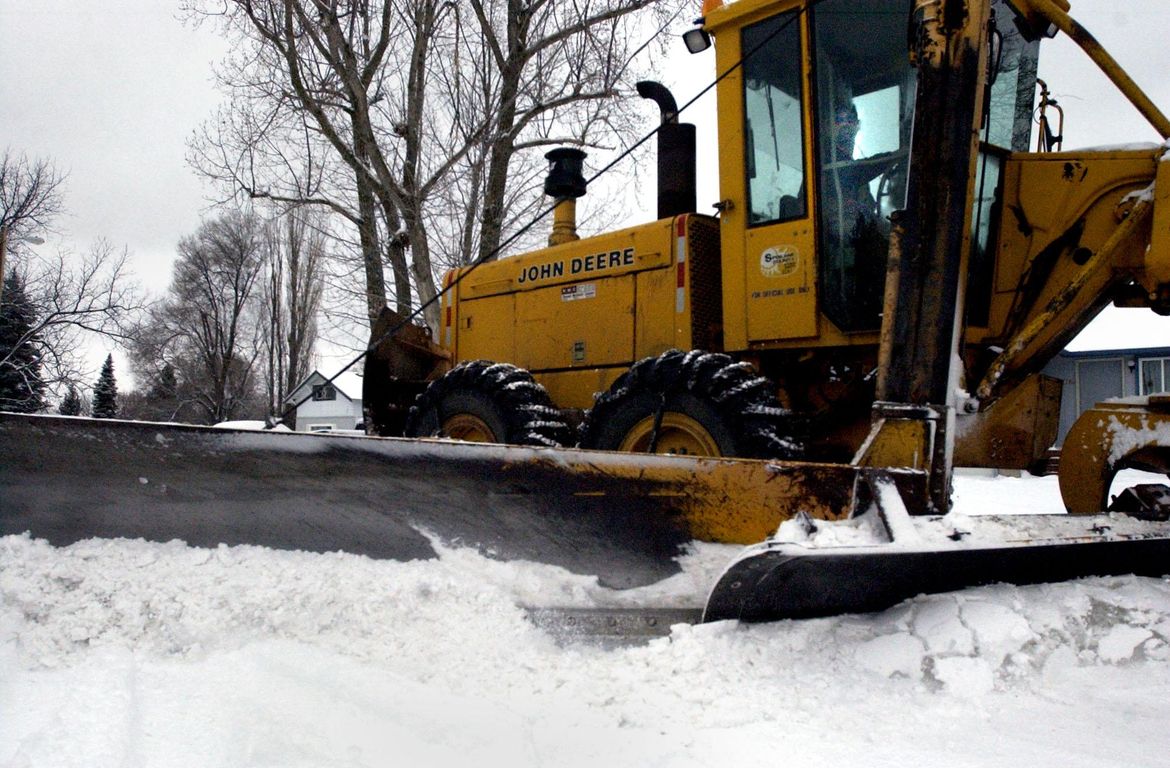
pixel 679 434
pixel 472 429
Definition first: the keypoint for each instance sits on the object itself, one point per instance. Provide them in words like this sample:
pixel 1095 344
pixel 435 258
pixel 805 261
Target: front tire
pixel 694 403
pixel 485 402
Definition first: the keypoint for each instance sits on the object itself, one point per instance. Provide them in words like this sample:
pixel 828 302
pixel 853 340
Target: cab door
pixel 767 229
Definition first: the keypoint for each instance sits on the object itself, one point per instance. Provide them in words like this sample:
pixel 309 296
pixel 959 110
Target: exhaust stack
pixel 676 154
pixel 564 183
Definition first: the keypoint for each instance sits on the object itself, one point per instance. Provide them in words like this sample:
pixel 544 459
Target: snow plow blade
pixel 621 517
pixel 774 581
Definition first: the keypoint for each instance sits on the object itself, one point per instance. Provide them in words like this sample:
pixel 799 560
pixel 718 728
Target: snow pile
pixel 1125 438
pixel 124 652
pixel 118 653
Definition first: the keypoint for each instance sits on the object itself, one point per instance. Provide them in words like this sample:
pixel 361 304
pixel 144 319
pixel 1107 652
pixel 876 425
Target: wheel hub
pixel 469 428
pixel 679 435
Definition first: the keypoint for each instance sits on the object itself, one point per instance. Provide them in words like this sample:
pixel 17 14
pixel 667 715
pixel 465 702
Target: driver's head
pixel 844 131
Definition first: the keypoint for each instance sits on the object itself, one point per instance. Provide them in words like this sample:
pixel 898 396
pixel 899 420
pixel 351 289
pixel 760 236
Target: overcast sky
pixel 111 91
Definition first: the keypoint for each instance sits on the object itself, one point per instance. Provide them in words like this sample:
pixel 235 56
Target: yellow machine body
pixel 1051 238
pixel 579 314
pixel 865 313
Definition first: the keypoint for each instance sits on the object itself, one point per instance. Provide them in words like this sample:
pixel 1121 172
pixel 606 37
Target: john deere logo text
pixel 578 265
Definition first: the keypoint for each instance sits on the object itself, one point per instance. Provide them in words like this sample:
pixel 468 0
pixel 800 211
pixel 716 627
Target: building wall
pixel 1090 377
pixel 340 413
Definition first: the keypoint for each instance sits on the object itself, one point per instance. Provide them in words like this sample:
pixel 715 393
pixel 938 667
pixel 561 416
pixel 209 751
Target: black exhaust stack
pixel 676 154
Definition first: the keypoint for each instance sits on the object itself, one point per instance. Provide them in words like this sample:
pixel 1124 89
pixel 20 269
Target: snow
pixel 1125 438
pixel 258 426
pixel 989 512
pixel 120 652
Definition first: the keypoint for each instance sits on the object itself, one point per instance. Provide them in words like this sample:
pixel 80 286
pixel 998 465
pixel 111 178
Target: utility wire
pixel 464 273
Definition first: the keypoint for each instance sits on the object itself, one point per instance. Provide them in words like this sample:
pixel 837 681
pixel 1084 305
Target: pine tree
pixel 105 392
pixel 71 405
pixel 161 401
pixel 21 386
pixel 166 384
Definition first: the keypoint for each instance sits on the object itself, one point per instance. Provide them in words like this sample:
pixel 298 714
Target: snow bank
pixel 116 653
pixel 124 652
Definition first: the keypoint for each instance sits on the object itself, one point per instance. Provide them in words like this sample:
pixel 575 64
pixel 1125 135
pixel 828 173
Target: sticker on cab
pixel 779 261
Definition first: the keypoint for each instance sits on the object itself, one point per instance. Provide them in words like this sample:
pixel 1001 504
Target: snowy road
pixel 128 653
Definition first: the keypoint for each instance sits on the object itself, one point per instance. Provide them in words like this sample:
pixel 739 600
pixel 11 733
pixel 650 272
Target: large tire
pixel 482 401
pixel 710 405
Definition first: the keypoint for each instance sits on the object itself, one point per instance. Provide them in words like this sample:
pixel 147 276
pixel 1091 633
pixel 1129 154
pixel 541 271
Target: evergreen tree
pixel 166 384
pixel 71 405
pixel 21 385
pixel 105 392
pixel 161 401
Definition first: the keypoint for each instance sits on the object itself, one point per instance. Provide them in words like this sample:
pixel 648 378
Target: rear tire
pixel 710 405
pixel 485 402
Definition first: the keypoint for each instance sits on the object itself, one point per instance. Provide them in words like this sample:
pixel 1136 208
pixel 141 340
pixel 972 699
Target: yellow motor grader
pixel 888 272
pixel 760 333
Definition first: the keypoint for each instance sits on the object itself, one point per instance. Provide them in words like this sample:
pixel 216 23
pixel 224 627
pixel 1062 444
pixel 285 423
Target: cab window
pixel 1015 54
pixel 773 120
pixel 865 89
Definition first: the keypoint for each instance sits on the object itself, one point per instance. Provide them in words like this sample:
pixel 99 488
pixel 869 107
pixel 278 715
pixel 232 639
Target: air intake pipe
pixel 676 153
pixel 564 184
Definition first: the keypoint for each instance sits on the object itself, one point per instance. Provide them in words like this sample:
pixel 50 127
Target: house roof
pixel 316 377
pixel 1116 353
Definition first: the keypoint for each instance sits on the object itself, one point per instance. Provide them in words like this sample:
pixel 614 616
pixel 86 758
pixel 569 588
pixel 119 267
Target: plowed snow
pixel 127 653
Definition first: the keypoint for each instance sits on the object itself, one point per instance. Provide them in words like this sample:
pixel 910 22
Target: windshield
pixel 865 90
pixel 1013 86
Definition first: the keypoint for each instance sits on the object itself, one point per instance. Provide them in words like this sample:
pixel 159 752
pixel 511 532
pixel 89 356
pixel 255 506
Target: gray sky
pixel 111 90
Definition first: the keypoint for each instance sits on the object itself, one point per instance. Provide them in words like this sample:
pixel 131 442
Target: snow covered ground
pixel 126 653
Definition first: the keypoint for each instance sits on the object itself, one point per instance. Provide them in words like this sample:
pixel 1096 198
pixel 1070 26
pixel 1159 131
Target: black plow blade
pixel 65 480
pixel 774 581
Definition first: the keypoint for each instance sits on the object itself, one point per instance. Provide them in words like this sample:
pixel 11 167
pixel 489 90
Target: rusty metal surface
pixel 1015 431
pixel 611 627
pixel 1109 437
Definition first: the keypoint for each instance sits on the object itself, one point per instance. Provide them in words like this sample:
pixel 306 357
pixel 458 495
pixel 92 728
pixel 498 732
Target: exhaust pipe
pixel 565 183
pixel 676 154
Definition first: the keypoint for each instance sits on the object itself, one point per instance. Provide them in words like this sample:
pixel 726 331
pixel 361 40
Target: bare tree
pixel 72 300
pixel 294 258
pixel 30 196
pixel 207 328
pixel 310 74
pixel 427 104
pixel 551 73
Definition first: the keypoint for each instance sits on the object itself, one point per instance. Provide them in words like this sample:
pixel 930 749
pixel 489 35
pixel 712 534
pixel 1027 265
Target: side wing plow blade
pixel 773 581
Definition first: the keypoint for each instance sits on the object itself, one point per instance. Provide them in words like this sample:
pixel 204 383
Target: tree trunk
pixel 502 147
pixel 396 256
pixel 371 252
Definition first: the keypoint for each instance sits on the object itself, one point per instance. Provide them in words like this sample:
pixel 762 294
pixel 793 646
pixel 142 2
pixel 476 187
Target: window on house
pixel 1155 375
pixel 324 392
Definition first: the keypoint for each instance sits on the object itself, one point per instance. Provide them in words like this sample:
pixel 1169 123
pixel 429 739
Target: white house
pixel 326 406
